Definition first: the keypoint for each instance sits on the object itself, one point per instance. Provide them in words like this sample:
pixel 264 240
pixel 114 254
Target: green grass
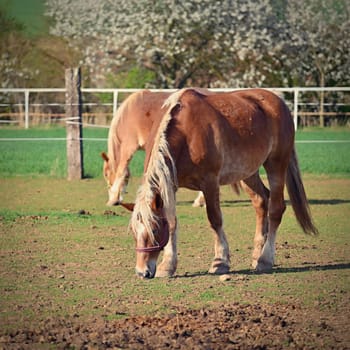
pixel 29 13
pixel 324 158
pixel 55 261
pixel 48 158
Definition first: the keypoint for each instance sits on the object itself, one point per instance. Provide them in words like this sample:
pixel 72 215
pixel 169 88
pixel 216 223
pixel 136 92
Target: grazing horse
pixel 202 142
pixel 129 132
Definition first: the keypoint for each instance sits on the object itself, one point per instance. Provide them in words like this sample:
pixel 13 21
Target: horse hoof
pixel 198 205
pixel 254 264
pixel 164 273
pixel 263 267
pixel 219 269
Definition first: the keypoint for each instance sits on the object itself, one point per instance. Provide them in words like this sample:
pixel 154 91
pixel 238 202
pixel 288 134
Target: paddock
pixel 67 273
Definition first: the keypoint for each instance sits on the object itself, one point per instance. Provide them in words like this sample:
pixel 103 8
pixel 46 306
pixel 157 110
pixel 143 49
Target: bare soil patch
pixel 233 326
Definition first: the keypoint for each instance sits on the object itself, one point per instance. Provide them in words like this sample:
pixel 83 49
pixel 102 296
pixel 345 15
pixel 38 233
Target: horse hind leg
pixel 259 196
pixel 276 208
pixel 221 262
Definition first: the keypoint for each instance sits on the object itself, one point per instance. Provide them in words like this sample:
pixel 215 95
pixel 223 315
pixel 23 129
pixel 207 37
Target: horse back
pixel 139 113
pixel 252 111
pixel 229 134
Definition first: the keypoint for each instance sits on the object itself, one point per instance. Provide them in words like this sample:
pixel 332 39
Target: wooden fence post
pixel 74 124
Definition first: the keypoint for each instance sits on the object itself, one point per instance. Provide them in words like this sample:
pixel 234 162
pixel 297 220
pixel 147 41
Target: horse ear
pixel 176 108
pixel 157 202
pixel 128 206
pixel 104 156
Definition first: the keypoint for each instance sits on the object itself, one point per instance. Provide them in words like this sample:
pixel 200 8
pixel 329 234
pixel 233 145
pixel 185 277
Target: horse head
pixel 116 183
pixel 151 234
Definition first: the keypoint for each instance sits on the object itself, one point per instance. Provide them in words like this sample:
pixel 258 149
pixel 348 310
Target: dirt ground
pixel 304 304
pixel 233 326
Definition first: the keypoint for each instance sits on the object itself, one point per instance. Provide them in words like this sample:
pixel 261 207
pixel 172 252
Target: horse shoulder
pixel 195 121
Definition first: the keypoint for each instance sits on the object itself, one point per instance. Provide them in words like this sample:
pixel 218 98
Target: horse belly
pixel 239 165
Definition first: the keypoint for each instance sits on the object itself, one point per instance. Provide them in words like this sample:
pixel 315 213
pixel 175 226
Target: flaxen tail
pixel 297 196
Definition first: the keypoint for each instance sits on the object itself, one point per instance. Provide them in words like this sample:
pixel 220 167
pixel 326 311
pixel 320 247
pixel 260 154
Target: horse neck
pixel 126 137
pixel 160 172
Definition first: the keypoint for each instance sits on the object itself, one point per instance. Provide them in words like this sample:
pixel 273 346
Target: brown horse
pixel 202 142
pixel 129 131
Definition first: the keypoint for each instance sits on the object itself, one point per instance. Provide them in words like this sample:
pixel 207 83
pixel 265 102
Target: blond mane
pixel 159 177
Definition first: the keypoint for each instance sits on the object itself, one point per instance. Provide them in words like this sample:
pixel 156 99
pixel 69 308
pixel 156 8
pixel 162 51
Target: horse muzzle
pixel 148 272
pixel 112 202
pixel 114 199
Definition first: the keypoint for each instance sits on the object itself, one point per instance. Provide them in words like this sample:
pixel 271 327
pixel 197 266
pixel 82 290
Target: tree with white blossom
pixel 184 42
pixel 321 30
pixel 211 43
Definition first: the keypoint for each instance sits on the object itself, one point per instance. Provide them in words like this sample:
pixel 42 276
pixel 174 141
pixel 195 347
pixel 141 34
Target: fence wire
pixel 99 105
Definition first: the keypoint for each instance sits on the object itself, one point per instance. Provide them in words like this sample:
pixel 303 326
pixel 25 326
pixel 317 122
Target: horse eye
pixel 154 231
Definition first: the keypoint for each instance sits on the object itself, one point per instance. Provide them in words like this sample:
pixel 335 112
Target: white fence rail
pixel 294 101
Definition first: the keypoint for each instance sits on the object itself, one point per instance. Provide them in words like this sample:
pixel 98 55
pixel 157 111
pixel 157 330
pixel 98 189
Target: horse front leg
pixel 118 188
pixel 168 265
pixel 221 262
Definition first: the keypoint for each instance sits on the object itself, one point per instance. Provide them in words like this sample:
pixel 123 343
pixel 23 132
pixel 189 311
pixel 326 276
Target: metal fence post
pixel 295 112
pixel 115 102
pixel 74 124
pixel 26 109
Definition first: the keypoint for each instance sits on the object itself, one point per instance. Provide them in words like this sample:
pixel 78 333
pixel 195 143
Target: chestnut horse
pixel 202 142
pixel 129 132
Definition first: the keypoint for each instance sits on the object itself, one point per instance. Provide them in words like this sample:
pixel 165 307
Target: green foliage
pixel 136 77
pixel 8 24
pixel 28 15
pixel 30 56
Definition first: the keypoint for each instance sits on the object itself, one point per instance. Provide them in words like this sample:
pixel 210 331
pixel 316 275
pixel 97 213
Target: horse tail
pixel 297 196
pixel 236 187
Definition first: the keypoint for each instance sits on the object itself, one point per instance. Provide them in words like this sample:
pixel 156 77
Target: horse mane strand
pixel 160 176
